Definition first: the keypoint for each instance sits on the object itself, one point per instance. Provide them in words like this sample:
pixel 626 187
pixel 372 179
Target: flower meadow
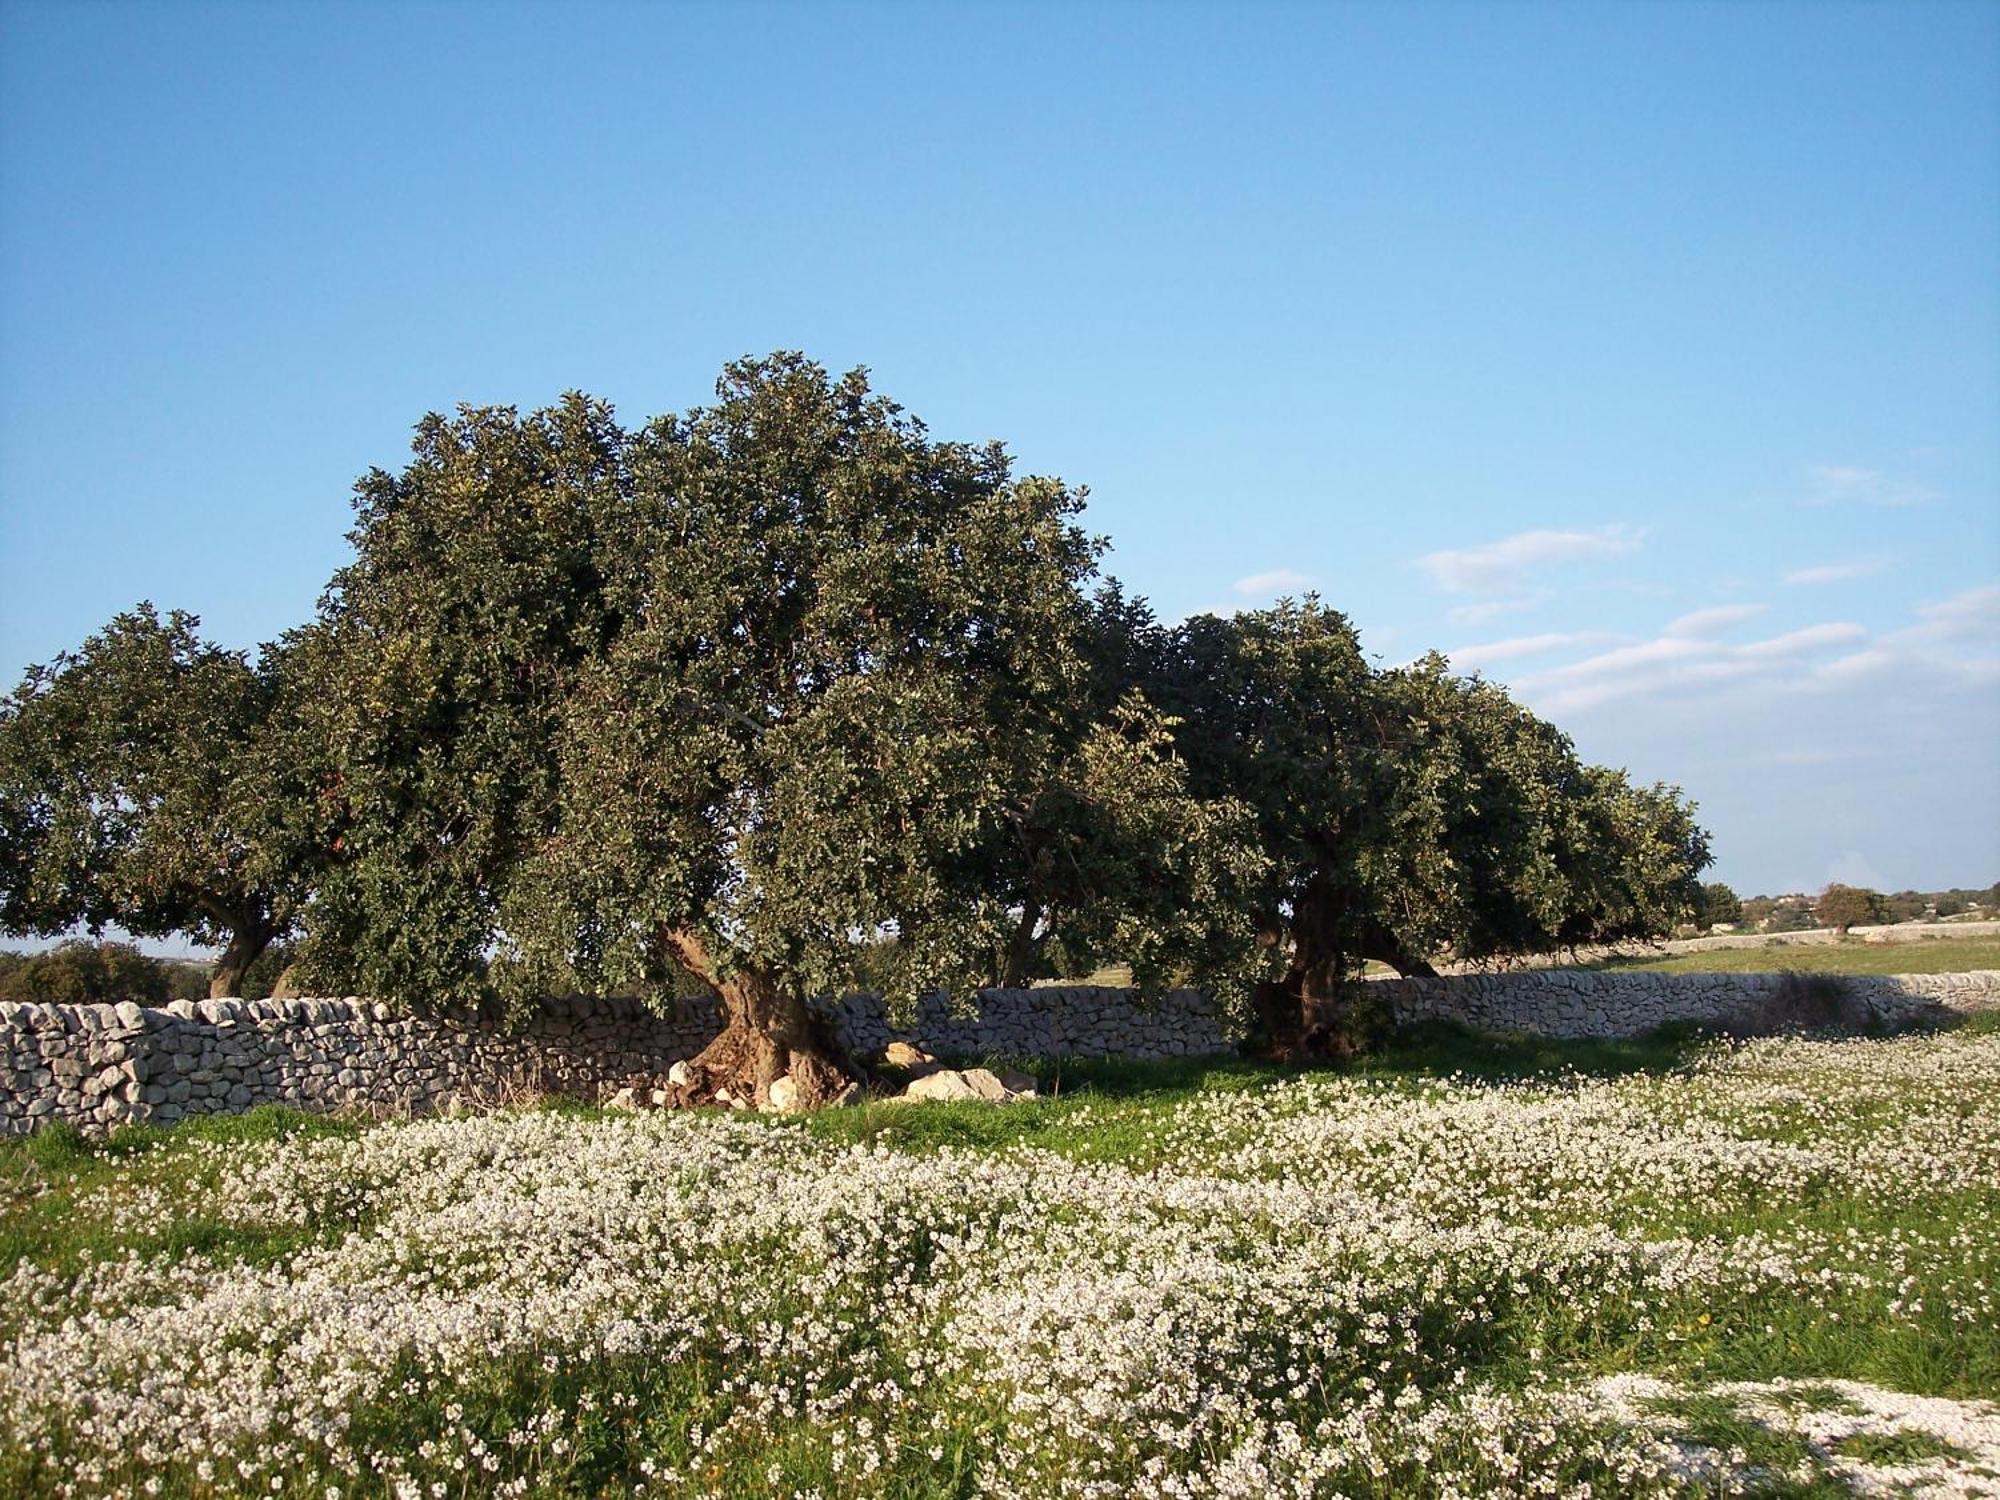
pixel 1767 1267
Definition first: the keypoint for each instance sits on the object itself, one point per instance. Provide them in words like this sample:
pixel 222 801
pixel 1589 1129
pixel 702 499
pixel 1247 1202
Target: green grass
pixel 1955 955
pixel 47 1178
pixel 1904 1446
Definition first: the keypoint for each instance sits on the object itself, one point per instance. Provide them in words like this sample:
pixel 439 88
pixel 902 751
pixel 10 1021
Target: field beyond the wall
pixel 1852 955
pixel 1479 1266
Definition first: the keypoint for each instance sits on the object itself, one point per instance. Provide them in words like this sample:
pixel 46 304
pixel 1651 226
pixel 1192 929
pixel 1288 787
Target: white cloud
pixel 1505 566
pixel 1857 664
pixel 1492 609
pixel 1973 615
pixel 1797 642
pixel 1835 572
pixel 1667 648
pixel 1840 483
pixel 1466 657
pixel 1800 760
pixel 1844 479
pixel 1678 664
pixel 1270 585
pixel 1706 622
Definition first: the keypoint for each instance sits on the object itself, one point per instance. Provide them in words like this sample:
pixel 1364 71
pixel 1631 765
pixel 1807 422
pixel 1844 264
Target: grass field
pixel 1476 1267
pixel 1951 955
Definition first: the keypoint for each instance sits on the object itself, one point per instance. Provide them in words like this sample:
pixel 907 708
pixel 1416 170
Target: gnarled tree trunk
pixel 1320 1008
pixel 247 942
pixel 767 1034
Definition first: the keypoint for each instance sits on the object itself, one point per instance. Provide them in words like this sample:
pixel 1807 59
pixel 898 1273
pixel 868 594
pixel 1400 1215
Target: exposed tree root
pixel 742 1065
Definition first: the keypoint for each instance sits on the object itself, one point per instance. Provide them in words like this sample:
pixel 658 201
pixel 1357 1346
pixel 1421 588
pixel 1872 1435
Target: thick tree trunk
pixel 246 944
pixel 1320 1009
pixel 1021 949
pixel 767 1035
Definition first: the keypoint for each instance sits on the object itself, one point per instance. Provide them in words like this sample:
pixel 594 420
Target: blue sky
pixel 1646 358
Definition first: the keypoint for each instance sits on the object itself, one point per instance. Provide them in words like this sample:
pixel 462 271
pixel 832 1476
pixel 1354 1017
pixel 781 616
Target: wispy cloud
pixel 1799 642
pixel 1682 662
pixel 1973 615
pixel 1850 483
pixel 1625 660
pixel 1467 657
pixel 1707 622
pixel 1270 585
pixel 1835 572
pixel 1508 565
pixel 1493 609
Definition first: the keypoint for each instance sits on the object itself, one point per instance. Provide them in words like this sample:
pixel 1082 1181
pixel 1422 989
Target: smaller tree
pixel 1843 906
pixel 144 782
pixel 1718 906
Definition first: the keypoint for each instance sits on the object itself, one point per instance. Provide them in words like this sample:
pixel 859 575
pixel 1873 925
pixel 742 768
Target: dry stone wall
pixel 1624 1003
pixel 98 1066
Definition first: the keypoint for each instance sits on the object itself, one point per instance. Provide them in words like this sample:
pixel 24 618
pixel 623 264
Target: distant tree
pixel 144 781
pixel 1718 906
pixel 1843 906
pixel 1788 917
pixel 738 696
pixel 1905 906
pixel 84 973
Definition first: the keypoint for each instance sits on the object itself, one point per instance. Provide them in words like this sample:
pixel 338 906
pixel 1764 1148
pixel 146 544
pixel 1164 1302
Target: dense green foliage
pixel 1717 905
pixel 80 973
pixel 1410 815
pixel 148 780
pixel 783 695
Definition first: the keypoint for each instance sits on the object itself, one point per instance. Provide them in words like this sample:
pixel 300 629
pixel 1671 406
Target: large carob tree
pixel 733 695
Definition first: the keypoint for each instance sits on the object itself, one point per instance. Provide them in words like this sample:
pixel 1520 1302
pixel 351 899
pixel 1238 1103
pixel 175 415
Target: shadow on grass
pixel 1432 1049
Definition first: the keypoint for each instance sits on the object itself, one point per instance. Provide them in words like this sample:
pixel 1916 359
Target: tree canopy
pixel 146 781
pixel 1410 815
pixel 732 694
pixel 1843 906
pixel 1719 905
